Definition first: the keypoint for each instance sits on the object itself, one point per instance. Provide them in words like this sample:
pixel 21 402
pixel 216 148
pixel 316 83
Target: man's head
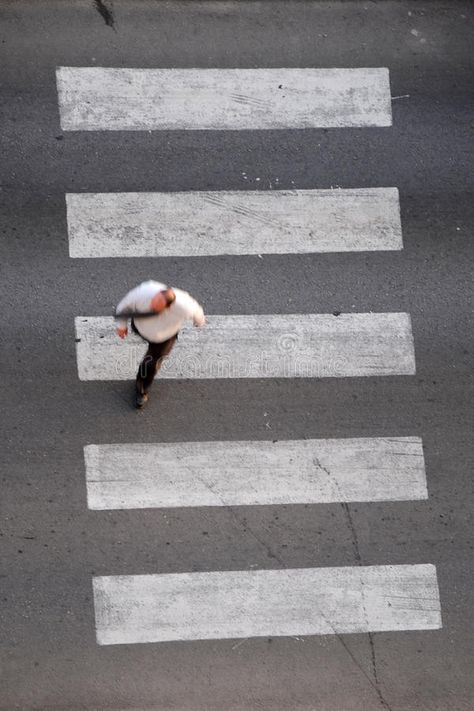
pixel 162 300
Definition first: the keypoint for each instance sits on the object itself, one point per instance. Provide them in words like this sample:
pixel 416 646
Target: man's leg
pixel 149 366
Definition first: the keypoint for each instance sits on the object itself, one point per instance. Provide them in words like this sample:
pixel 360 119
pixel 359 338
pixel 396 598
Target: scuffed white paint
pixel 133 476
pixel 232 222
pixel 259 346
pixel 111 99
pixel 131 609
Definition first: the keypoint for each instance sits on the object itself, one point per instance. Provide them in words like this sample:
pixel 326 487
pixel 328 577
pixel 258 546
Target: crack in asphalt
pixel 357 555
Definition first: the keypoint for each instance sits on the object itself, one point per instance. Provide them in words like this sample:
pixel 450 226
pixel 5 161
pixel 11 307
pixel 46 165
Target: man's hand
pixel 122 332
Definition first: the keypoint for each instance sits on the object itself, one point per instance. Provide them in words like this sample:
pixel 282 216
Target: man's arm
pixel 198 315
pixel 196 312
pixel 192 308
pixel 127 305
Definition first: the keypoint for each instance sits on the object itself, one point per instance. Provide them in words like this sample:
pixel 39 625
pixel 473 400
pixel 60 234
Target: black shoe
pixel 141 400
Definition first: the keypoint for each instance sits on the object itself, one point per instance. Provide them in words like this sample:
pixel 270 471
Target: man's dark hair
pixel 169 295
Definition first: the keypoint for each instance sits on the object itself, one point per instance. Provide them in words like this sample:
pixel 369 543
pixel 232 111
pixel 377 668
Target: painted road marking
pixel 131 609
pixel 189 224
pixel 136 476
pixel 112 99
pixel 259 346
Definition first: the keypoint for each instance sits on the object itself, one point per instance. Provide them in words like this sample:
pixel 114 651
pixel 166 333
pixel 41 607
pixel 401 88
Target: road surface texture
pixel 287 526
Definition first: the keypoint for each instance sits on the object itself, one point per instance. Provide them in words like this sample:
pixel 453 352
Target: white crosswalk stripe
pixel 232 222
pixel 260 346
pixel 128 476
pixel 110 99
pixel 134 609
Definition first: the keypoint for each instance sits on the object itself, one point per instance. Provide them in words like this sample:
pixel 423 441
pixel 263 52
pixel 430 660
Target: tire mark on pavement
pixel 105 12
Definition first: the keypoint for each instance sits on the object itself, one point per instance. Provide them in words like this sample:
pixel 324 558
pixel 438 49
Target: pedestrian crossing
pixel 167 475
pixel 132 609
pixel 111 99
pixel 193 224
pixel 259 346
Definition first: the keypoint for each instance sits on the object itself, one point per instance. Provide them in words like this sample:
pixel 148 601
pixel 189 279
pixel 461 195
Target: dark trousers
pixel 152 361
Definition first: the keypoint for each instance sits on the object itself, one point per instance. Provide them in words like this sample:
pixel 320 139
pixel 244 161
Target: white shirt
pixel 165 324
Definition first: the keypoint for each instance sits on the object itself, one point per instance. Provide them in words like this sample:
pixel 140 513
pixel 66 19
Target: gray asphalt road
pixel 51 545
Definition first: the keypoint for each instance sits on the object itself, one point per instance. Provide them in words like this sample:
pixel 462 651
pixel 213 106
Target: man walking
pixel 157 314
